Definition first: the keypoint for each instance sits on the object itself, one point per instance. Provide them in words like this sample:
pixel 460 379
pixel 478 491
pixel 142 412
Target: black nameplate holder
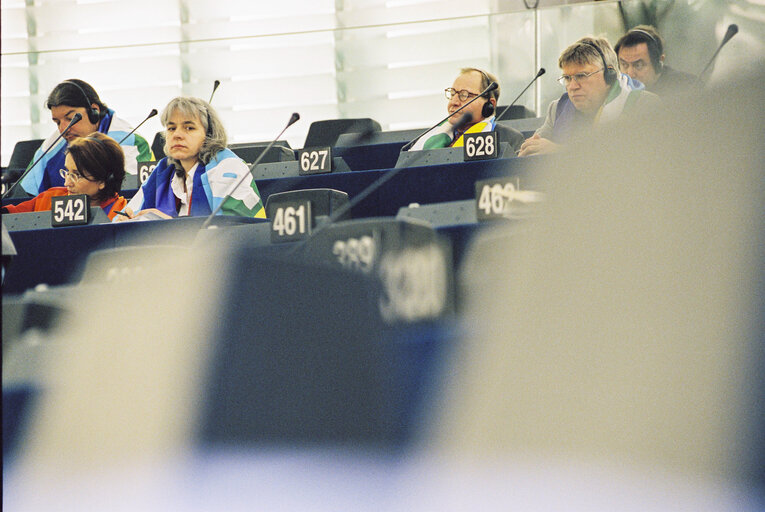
pixel 42 220
pixel 291 169
pixel 502 198
pixel 144 171
pixel 291 220
pixel 481 146
pixel 70 210
pixel 315 160
pixel 442 156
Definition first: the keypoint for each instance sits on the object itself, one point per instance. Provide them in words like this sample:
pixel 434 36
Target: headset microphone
pixel 75 119
pixel 539 73
pixel 492 86
pixel 732 31
pixel 151 114
pixel 293 119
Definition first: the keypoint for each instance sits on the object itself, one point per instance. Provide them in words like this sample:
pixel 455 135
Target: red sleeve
pixel 25 206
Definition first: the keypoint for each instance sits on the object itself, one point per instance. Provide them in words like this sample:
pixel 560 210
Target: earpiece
pixel 487 110
pixel 94 116
pixel 609 74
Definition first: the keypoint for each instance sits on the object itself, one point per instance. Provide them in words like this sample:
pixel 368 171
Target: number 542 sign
pixel 70 210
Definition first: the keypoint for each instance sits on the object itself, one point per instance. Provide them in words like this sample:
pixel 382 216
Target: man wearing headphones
pixel 641 56
pixel 469 84
pixel 65 100
pixel 596 93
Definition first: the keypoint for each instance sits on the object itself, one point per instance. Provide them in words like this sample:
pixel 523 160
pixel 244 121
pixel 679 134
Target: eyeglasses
pixel 578 78
pixel 72 174
pixel 638 65
pixel 463 94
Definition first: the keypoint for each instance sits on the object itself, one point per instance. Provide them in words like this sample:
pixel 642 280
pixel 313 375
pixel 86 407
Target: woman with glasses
pixel 94 166
pixel 198 172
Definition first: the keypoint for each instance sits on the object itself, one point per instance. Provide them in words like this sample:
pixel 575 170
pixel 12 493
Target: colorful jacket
pixel 442 136
pixel 211 185
pixel 563 119
pixel 42 203
pixel 46 173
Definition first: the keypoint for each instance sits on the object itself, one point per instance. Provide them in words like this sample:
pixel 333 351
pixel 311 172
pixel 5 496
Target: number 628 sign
pixel 481 146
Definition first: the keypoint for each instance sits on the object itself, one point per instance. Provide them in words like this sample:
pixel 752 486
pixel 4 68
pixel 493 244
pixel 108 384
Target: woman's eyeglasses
pixel 74 175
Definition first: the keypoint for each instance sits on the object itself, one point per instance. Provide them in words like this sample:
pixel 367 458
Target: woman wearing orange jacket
pixel 95 166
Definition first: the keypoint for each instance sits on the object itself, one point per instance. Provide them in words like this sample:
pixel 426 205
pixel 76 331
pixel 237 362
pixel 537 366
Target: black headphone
pixel 654 50
pixel 487 110
pixel 609 74
pixel 209 123
pixel 94 116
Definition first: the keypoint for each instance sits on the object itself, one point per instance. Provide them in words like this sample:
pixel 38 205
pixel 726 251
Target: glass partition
pixel 388 60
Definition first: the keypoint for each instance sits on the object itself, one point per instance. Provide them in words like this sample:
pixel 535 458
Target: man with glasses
pixel 641 56
pixel 466 87
pixel 596 93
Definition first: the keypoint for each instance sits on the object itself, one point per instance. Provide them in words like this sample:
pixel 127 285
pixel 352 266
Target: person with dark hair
pixel 596 93
pixel 468 84
pixel 641 56
pixel 93 165
pixel 65 100
pixel 199 171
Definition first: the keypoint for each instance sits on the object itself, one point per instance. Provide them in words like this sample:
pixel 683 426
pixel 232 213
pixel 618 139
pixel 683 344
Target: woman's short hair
pixel 582 52
pixel 75 93
pixel 195 108
pixel 102 159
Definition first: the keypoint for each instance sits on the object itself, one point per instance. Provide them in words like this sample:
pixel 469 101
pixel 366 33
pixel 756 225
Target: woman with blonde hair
pixel 199 171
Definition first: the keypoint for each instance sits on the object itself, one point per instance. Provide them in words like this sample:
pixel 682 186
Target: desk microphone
pixel 466 118
pixel 539 73
pixel 293 119
pixel 75 119
pixel 215 88
pixel 485 92
pixel 732 31
pixel 151 114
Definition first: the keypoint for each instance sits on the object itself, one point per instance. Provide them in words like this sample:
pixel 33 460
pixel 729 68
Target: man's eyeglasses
pixel 638 65
pixel 72 174
pixel 463 94
pixel 578 78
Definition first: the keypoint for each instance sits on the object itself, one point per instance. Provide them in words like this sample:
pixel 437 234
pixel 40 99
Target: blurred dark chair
pixel 23 152
pixel 326 133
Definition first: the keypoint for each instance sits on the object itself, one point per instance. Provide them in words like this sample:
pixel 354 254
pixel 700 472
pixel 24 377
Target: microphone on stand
pixel 151 114
pixel 483 93
pixel 539 73
pixel 464 120
pixel 732 31
pixel 293 119
pixel 215 88
pixel 75 119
